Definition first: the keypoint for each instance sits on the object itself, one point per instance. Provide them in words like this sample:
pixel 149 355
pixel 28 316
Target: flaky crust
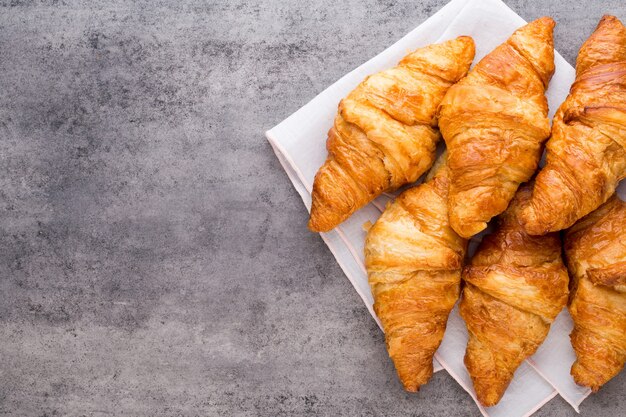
pixel 414 260
pixel 586 155
pixel 595 248
pixel 494 122
pixel 385 131
pixel 516 285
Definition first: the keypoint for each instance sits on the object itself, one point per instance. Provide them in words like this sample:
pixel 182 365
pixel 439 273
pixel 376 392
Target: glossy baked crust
pixel 515 286
pixel 595 248
pixel 385 131
pixel 494 122
pixel 586 155
pixel 414 260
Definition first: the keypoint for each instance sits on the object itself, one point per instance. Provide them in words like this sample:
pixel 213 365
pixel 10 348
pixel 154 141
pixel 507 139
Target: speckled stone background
pixel 154 259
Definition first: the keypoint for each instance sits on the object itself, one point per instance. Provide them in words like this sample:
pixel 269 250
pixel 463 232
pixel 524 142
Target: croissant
pixel 414 259
pixel 494 122
pixel 515 286
pixel 586 155
pixel 385 132
pixel 595 248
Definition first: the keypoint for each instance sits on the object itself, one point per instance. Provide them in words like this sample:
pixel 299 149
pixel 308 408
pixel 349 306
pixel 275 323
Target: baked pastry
pixel 414 259
pixel 515 286
pixel 595 248
pixel 385 131
pixel 494 122
pixel 586 155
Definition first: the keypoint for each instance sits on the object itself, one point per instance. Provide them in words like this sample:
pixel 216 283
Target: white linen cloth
pixel 299 143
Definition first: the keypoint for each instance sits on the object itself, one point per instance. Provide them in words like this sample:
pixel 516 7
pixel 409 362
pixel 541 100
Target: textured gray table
pixel 154 258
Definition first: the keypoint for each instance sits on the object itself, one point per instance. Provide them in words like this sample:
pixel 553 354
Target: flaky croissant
pixel 494 122
pixel 595 248
pixel 414 260
pixel 385 131
pixel 515 286
pixel 586 155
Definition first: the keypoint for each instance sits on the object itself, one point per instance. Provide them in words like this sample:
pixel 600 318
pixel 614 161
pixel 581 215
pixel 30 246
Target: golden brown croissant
pixel 494 122
pixel 385 131
pixel 414 261
pixel 586 155
pixel 595 248
pixel 515 286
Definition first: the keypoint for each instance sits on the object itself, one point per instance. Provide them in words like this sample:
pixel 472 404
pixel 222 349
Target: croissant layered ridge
pixel 494 122
pixel 385 131
pixel 515 286
pixel 414 260
pixel 595 248
pixel 586 154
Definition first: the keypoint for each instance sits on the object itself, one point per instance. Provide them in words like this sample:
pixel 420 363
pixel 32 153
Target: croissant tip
pixel 547 20
pixel 488 402
pixel 584 383
pixel 467 231
pixel 585 378
pixel 608 21
pixel 528 221
pixel 413 382
pixel 412 387
pixel 544 22
pixel 318 229
pixel 320 221
pixel 312 226
pixel 531 228
pixel 466 38
pixel 609 18
pixel 489 395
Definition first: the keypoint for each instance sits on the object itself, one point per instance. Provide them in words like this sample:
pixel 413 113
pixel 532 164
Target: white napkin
pixel 299 143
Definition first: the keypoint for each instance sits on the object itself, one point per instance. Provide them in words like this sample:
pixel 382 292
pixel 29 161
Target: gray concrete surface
pixel 154 259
